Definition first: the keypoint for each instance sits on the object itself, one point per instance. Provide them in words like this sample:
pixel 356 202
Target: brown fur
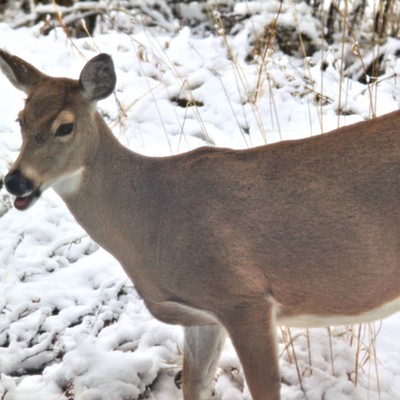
pixel 303 232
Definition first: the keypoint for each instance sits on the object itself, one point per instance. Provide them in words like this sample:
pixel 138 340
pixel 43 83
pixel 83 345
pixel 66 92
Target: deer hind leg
pixel 252 329
pixel 202 348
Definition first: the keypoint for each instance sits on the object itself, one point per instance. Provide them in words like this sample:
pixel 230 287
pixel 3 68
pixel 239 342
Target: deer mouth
pixel 23 203
pixel 26 192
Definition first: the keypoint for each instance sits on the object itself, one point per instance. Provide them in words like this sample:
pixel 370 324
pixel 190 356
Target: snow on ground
pixel 71 323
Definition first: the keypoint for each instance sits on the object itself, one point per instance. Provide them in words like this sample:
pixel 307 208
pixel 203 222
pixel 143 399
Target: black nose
pixel 17 184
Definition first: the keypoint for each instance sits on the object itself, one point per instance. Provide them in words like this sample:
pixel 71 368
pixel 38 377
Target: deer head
pixel 57 119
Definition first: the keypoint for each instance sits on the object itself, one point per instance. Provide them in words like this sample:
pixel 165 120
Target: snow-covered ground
pixel 71 323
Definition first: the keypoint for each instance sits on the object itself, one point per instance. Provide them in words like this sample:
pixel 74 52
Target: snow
pixel 71 323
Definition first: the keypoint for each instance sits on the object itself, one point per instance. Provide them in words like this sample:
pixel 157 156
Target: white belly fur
pixel 315 321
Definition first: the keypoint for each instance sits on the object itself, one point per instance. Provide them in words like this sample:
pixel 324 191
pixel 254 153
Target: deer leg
pixel 202 348
pixel 252 329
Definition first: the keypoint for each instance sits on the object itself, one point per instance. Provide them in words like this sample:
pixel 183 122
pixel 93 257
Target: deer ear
pixel 21 74
pixel 98 78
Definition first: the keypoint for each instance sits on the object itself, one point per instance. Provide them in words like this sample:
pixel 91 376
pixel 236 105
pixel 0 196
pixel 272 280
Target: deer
pixel 301 233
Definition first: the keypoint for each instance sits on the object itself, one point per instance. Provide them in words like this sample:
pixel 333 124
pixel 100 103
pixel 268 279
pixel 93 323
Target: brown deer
pixel 299 233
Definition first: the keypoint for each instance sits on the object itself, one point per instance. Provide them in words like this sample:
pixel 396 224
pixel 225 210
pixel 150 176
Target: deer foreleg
pixel 202 348
pixel 252 329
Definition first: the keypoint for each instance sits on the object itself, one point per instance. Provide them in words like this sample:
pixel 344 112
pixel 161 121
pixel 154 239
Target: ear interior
pixel 98 78
pixel 21 74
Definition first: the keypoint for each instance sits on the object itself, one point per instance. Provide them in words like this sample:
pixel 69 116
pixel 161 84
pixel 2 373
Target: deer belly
pixel 315 320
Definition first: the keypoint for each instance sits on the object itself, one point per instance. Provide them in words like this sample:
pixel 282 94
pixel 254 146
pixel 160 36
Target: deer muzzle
pixel 21 187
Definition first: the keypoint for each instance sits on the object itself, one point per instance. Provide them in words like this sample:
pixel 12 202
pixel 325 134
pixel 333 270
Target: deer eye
pixel 64 129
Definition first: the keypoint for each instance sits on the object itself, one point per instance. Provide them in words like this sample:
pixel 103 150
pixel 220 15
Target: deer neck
pixel 102 194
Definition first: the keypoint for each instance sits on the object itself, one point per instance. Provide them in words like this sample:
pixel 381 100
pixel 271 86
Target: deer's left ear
pixel 98 78
pixel 21 74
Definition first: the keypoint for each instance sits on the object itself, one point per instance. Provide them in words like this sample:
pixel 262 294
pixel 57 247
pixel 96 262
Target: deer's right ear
pixel 98 78
pixel 21 74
